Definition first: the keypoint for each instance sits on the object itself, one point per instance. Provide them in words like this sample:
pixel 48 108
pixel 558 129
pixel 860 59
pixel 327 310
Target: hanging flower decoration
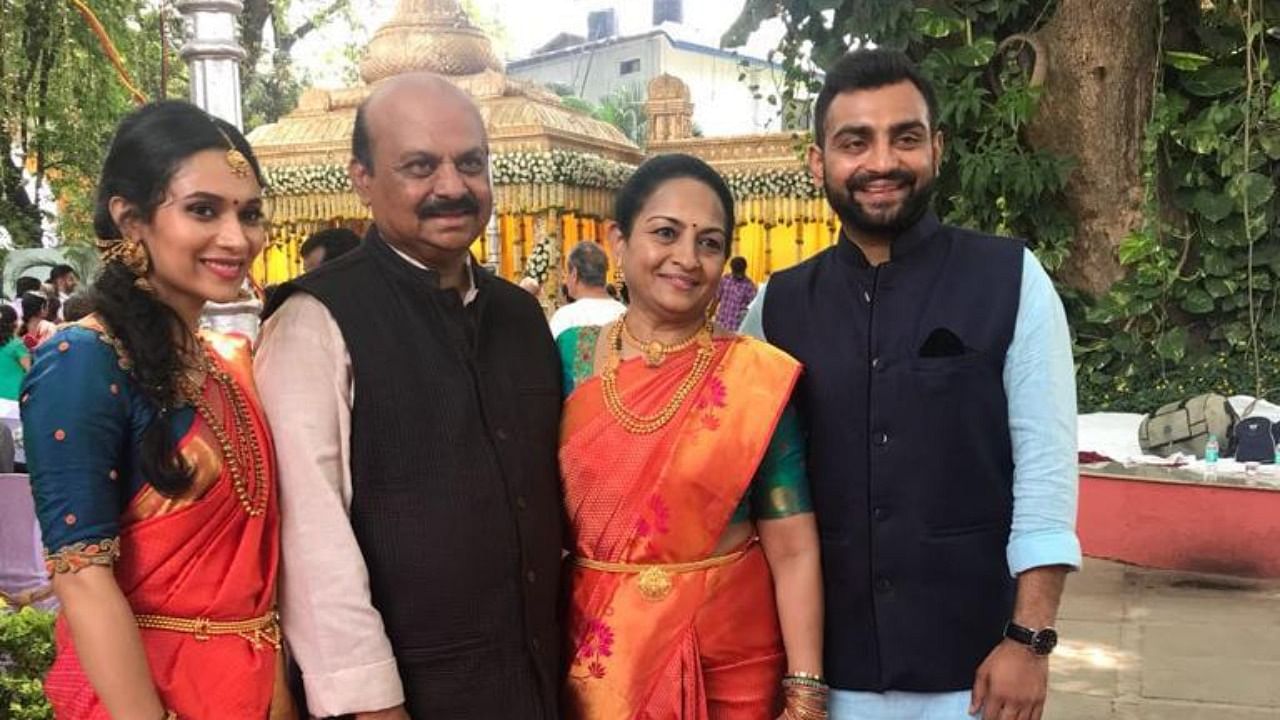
pixel 539 263
pixel 556 167
pixel 772 183
pixel 307 179
pixel 559 167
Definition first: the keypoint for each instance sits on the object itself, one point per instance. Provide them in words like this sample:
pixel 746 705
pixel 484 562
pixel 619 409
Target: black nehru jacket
pixel 455 486
pixel 909 450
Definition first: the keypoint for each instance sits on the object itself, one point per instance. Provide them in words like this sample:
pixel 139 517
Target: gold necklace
pixel 646 424
pixel 655 351
pixel 246 449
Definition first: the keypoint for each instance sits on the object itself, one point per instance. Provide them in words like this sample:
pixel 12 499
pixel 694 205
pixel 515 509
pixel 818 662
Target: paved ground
pixel 1152 645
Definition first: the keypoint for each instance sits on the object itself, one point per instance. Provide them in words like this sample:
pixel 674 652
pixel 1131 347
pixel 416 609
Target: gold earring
pixel 131 253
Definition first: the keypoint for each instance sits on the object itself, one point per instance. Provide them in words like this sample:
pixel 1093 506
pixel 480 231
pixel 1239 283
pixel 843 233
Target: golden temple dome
pixel 430 35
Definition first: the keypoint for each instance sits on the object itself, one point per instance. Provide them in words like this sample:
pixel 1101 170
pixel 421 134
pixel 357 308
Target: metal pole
pixel 213 53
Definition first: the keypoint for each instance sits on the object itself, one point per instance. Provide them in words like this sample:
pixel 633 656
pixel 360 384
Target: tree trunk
pixel 1098 94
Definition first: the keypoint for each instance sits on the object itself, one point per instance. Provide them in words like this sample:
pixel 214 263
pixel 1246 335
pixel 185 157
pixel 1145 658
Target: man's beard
pixel 856 217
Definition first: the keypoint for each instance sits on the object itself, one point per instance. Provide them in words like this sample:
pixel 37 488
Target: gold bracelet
pixel 805 676
pixel 794 681
pixel 169 715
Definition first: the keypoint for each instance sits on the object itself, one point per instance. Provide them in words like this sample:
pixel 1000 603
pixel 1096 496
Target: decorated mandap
pixel 782 216
pixel 555 168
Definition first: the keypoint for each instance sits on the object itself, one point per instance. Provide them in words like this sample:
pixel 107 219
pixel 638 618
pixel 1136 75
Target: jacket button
pixel 875 363
pixel 881 439
pixel 883 585
pixel 520 502
pixel 531 576
pixel 536 644
pixel 502 434
pixel 866 295
pixel 881 513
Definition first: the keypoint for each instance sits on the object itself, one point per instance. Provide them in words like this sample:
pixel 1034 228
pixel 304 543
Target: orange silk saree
pixel 198 556
pixel 699 643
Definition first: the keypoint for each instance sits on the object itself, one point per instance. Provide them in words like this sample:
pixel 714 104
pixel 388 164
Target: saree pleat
pixel 710 647
pixel 207 558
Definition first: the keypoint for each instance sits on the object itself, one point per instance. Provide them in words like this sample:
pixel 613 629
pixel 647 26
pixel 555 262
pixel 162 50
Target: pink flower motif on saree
pixel 595 642
pixel 714 397
pixel 655 519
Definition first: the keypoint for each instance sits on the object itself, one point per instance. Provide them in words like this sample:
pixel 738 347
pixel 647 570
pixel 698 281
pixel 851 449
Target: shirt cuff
pixel 354 690
pixel 1055 547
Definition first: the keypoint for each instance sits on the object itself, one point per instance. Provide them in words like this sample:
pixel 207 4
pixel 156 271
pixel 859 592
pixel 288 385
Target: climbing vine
pixel 1197 310
pixel 1197 307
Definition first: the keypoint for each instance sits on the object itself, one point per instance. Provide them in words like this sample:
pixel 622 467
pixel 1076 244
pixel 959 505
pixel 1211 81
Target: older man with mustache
pixel 415 401
pixel 939 395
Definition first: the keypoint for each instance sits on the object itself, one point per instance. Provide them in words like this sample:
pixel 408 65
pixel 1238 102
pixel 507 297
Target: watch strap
pixel 1018 633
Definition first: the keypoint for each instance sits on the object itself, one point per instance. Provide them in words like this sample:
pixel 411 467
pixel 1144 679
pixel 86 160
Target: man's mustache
pixel 861 181
pixel 464 205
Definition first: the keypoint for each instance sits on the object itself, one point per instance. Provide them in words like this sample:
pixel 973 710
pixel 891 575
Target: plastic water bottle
pixel 1211 450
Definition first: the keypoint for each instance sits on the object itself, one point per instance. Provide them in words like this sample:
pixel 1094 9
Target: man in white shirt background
pixel 586 281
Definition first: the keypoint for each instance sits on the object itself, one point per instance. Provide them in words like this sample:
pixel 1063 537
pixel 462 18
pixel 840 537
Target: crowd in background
pixel 32 317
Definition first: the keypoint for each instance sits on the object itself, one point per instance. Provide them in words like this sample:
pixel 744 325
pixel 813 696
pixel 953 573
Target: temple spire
pixel 431 35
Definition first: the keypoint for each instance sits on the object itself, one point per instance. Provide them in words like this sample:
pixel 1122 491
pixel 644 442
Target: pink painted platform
pixel 1174 520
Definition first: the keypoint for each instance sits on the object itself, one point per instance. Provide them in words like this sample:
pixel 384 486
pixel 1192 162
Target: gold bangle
pixel 801 682
pixel 805 676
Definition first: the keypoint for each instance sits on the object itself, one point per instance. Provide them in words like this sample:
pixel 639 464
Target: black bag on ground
pixel 1254 441
pixel 1185 427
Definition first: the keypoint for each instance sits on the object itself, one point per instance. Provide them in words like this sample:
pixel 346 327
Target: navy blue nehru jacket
pixel 910 455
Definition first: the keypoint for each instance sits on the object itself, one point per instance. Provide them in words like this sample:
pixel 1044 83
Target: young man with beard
pixel 939 398
pixel 415 403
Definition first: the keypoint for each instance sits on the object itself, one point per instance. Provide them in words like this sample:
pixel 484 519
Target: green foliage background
pixel 26 651
pixel 1197 310
pixel 60 99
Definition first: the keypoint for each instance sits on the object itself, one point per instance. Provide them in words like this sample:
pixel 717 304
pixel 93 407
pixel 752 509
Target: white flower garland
pixel 307 180
pixel 771 183
pixel 539 262
pixel 557 167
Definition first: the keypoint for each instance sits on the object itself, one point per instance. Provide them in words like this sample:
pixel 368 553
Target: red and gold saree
pixel 657 627
pixel 201 561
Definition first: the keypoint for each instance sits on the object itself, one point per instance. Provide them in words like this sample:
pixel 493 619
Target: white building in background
pixel 596 66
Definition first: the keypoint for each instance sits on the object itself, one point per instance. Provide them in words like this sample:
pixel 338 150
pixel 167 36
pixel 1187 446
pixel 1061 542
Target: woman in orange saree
pixel 151 464
pixel 695 591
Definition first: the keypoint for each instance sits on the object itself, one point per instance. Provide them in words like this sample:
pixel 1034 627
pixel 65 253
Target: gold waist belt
pixel 257 631
pixel 655 581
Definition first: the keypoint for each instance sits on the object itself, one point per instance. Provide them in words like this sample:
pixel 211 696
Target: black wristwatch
pixel 1041 642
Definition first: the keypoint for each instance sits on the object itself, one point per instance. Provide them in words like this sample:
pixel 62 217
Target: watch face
pixel 1044 641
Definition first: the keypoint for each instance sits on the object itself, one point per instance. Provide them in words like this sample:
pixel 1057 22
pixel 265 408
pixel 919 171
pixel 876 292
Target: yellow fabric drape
pixel 568 235
pixel 774 233
pixel 770 249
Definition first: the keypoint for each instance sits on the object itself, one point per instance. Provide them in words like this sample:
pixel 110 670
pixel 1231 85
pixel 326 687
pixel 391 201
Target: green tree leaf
pixel 1214 206
pixel 935 23
pixel 1198 301
pixel 1214 81
pixel 1186 61
pixel 1219 287
pixel 1172 345
pixel 976 55
pixel 1252 188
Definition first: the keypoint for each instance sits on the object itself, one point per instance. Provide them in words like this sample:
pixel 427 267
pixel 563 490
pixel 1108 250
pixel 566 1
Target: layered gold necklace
pixel 654 353
pixel 241 448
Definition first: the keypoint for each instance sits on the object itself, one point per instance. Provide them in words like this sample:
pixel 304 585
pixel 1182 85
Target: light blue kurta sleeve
pixel 1039 381
pixel 753 322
